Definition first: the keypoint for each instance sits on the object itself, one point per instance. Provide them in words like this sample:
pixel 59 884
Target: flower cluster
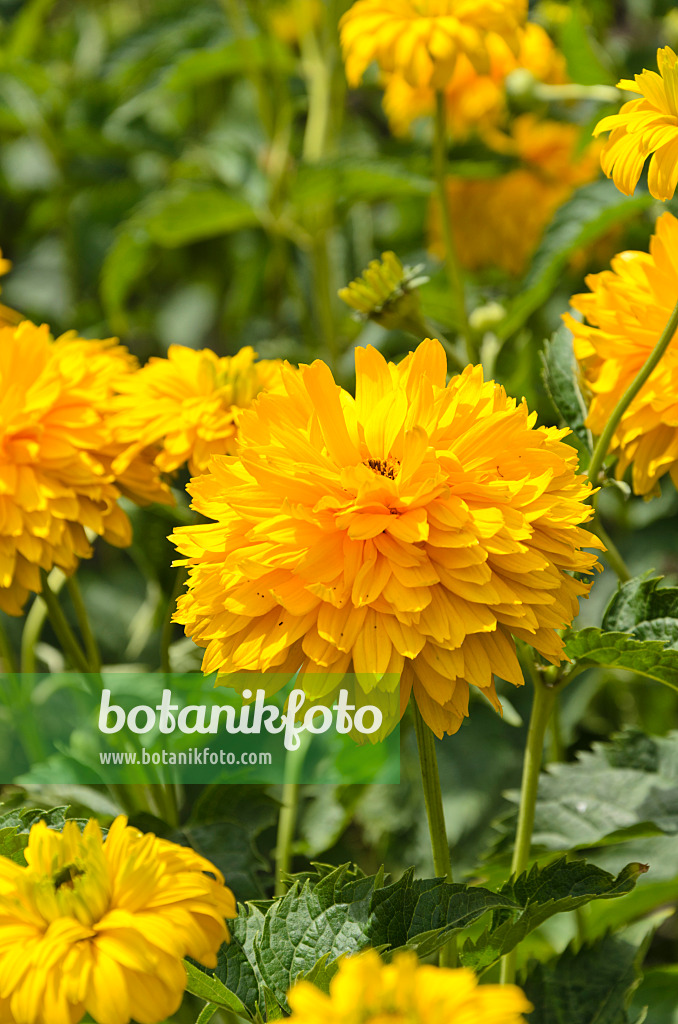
pixel 367 991
pixel 413 531
pixel 56 460
pixel 626 310
pixel 100 926
pixel 188 404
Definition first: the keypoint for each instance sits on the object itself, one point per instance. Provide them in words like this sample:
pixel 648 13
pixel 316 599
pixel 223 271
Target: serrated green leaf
pixel 560 378
pixel 16 824
pixel 588 215
pixel 641 601
pixel 541 892
pixel 337 913
pixel 650 658
pixel 209 988
pixel 590 986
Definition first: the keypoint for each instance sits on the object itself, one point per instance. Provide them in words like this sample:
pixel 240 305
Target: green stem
pixel 433 798
pixel 35 620
pixel 542 706
pixel 611 556
pixel 287 820
pixel 451 257
pixel 69 644
pixel 166 636
pixel 91 647
pixel 605 439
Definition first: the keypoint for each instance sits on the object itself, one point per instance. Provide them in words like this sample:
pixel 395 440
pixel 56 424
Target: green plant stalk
pixel 452 266
pixel 18 703
pixel 35 620
pixel 287 819
pixel 91 646
pixel 612 556
pixel 542 706
pixel 433 799
pixel 69 644
pixel 603 443
pixel 166 635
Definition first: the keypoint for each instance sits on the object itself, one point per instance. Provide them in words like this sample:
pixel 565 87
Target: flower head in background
pixel 367 991
pixel 646 127
pixel 422 39
pixel 189 404
pixel 500 221
pixel 626 310
pixel 56 449
pixel 412 532
pixel 100 926
pixel 476 101
pixel 8 317
pixel 291 20
pixel 386 293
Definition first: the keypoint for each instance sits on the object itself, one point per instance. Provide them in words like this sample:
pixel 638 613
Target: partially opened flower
pixel 56 451
pixel 386 293
pixel 189 404
pixel 413 531
pixel 367 991
pixel 646 127
pixel 499 222
pixel 422 39
pixel 625 311
pixel 100 926
pixel 475 101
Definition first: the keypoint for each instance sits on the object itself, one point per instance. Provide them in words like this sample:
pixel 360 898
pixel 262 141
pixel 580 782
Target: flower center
pixel 385 467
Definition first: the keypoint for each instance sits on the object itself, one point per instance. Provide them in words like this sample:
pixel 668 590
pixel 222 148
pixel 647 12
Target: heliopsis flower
pixel 386 293
pixel 476 101
pixel 421 39
pixel 367 991
pixel 645 127
pixel 499 222
pixel 412 531
pixel 626 310
pixel 100 926
pixel 189 404
pixel 55 461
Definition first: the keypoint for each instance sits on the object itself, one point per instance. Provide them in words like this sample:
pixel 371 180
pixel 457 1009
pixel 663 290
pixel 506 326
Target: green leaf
pixel 649 658
pixel 541 892
pixel 587 62
pixel 560 377
pixel 350 180
pixel 338 912
pixel 15 826
pixel 639 605
pixel 181 216
pixel 658 992
pixel 588 215
pixel 590 986
pixel 209 988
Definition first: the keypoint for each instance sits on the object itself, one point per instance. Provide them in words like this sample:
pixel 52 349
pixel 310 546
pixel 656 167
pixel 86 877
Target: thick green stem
pixel 451 257
pixel 433 798
pixel 605 439
pixel 611 556
pixel 86 631
pixel 69 645
pixel 287 820
pixel 542 706
pixel 35 620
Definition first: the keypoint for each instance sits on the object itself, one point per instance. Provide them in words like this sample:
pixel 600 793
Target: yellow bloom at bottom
pixel 100 926
pixel 367 991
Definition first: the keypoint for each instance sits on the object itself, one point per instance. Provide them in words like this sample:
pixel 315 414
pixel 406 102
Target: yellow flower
pixel 500 221
pixel 55 459
pixel 414 530
pixel 475 101
pixel 645 127
pixel 422 39
pixel 100 926
pixel 292 20
pixel 385 292
pixel 8 316
pixel 189 404
pixel 626 311
pixel 367 991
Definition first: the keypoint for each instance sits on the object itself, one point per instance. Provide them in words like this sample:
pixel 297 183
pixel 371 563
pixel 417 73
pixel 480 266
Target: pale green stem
pixel 35 620
pixel 91 646
pixel 542 706
pixel 287 819
pixel 69 645
pixel 433 798
pixel 603 443
pixel 612 556
pixel 452 266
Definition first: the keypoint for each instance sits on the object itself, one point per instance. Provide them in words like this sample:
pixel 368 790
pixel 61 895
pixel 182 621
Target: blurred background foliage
pixel 199 174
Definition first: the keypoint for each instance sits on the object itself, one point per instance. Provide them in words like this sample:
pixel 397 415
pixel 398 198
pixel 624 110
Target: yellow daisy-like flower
pixel 626 311
pixel 56 451
pixel 413 531
pixel 422 39
pixel 499 222
pixel 189 404
pixel 100 926
pixel 647 127
pixel 367 991
pixel 475 101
